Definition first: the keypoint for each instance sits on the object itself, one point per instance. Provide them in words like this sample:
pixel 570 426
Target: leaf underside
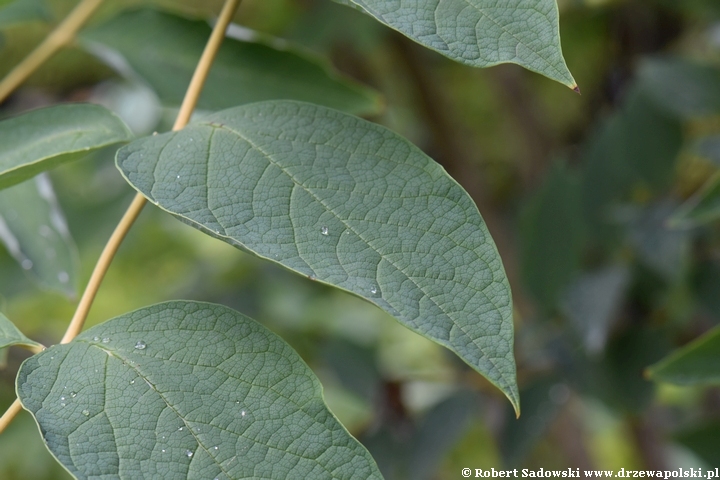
pixel 347 203
pixel 480 33
pixel 42 139
pixel 186 390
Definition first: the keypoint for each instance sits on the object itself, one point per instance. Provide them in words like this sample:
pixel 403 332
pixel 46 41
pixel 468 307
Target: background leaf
pixel 34 231
pixel 480 33
pixel 163 49
pixel 43 139
pixel 345 202
pixel 697 363
pixel 190 390
pixel 10 335
pixel 21 11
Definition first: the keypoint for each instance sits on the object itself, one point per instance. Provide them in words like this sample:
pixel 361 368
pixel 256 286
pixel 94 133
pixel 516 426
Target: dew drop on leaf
pixel 86 413
pixel 188 453
pixel 140 345
pixel 324 230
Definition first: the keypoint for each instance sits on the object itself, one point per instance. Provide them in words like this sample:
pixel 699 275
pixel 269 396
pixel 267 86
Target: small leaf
pixel 186 390
pixel 346 202
pixel 10 335
pixel 480 33
pixel 697 363
pixel 43 139
pixel 164 49
pixel 34 231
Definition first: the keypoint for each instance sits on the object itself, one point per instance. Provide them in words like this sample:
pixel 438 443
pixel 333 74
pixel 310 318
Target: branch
pixel 58 38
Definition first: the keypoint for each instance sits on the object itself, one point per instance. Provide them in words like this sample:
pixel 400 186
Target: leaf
pixel 701 208
pixel 186 390
pixel 43 139
pixel 702 440
pixel 21 11
pixel 591 304
pixel 344 202
pixel 682 87
pixel 697 363
pixel 34 231
pixel 480 33
pixel 553 236
pixel 164 49
pixel 10 335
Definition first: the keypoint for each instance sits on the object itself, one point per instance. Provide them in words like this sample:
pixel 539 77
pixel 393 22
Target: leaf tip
pixel 576 89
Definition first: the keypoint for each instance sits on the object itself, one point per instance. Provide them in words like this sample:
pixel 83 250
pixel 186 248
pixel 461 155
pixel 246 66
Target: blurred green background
pixel 601 204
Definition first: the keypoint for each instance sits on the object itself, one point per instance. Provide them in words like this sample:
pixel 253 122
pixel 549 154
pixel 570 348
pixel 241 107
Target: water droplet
pixel 188 453
pixel 215 447
pixel 27 264
pixel 163 450
pixel 180 429
pixel 140 345
pixel 178 176
pixel 242 413
pixel 63 277
pixel 73 394
pixel 86 413
pixel 324 230
pixel 62 404
pixel 62 399
pixel 154 133
pixel 373 290
pixel 96 339
pixel 106 340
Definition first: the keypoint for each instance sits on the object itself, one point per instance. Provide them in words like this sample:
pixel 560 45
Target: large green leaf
pixel 164 50
pixel 480 33
pixel 186 390
pixel 345 202
pixel 697 363
pixel 34 231
pixel 10 335
pixel 43 139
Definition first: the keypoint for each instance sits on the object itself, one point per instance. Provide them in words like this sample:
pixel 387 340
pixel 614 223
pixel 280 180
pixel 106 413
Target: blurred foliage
pixel 582 194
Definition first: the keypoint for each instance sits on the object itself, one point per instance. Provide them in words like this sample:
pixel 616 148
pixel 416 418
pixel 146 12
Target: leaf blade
pixel 164 49
pixel 35 233
pixel 697 363
pixel 42 139
pixel 480 33
pixel 208 393
pixel 10 335
pixel 344 202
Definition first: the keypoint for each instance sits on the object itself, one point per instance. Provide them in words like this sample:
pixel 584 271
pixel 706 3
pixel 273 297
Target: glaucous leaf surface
pixel 480 33
pixel 186 390
pixel 697 363
pixel 35 233
pixel 164 50
pixel 345 202
pixel 42 139
pixel 10 335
